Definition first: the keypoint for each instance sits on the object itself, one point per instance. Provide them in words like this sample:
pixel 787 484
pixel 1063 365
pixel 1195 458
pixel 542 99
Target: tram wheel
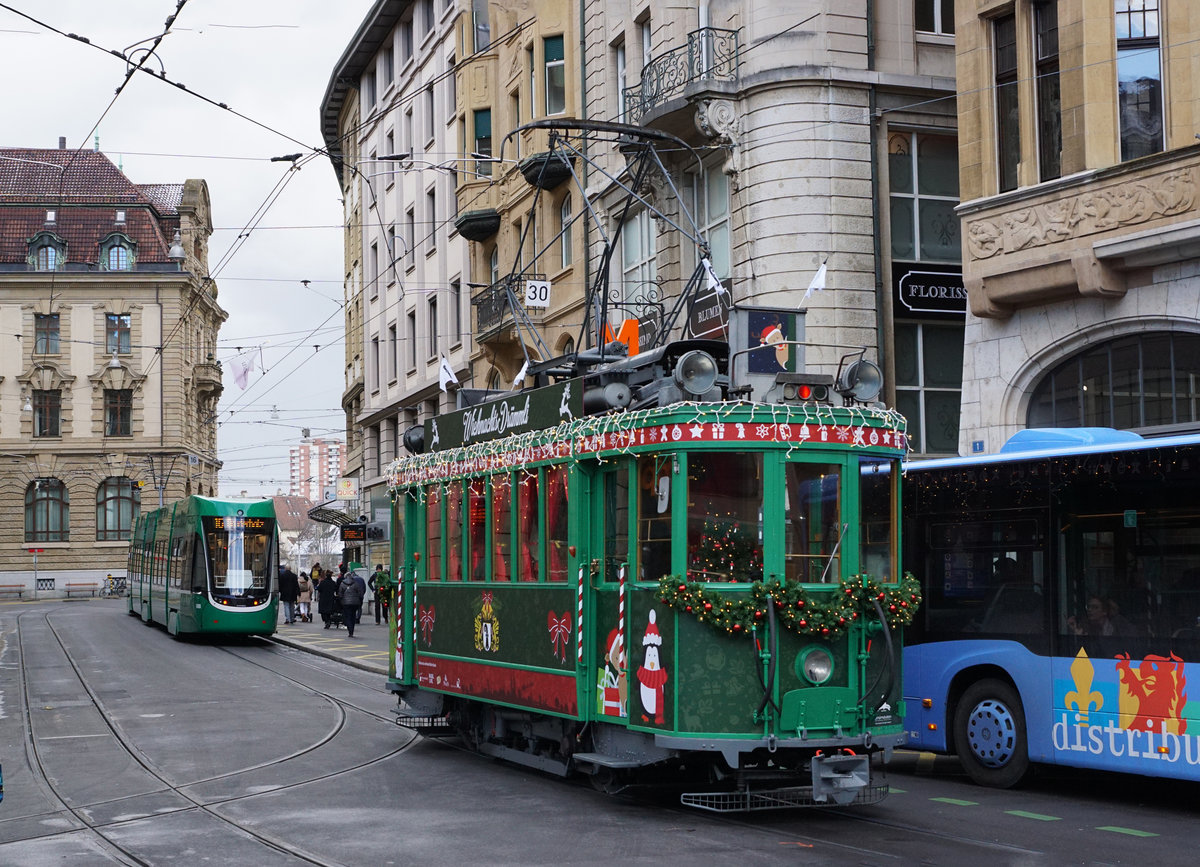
pixel 989 734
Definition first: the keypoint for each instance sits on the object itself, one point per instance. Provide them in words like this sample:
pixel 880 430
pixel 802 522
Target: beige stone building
pixel 818 132
pixel 524 67
pixel 1079 172
pixel 108 377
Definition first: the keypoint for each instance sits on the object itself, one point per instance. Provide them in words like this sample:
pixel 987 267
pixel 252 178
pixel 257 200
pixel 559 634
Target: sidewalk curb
pixel 318 651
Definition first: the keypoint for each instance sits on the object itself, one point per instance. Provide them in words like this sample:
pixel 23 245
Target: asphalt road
pixel 121 745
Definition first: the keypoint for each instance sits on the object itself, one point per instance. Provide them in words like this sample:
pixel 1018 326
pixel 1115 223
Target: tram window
pixel 501 502
pixel 527 527
pixel 556 522
pixel 433 533
pixel 616 522
pixel 199 568
pixel 812 522
pixel 654 516
pixel 877 490
pixel 725 507
pixel 454 531
pixel 477 552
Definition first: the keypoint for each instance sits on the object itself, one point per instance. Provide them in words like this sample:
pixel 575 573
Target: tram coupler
pixel 839 777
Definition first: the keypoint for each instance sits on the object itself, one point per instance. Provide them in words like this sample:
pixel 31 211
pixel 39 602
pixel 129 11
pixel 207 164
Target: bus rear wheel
pixel 989 734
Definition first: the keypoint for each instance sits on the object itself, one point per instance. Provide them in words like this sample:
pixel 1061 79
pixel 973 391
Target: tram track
pixel 104 832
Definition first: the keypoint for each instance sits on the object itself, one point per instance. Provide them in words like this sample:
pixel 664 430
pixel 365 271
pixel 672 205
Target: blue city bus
pixel 1061 613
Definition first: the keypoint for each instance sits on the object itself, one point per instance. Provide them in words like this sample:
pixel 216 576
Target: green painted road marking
pixel 1132 832
pixel 956 802
pixel 1039 816
pixel 892 790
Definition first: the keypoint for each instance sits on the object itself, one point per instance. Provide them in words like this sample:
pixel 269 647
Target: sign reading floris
pixel 806 611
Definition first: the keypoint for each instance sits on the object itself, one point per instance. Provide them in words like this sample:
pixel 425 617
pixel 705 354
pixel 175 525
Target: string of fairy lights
pixel 614 435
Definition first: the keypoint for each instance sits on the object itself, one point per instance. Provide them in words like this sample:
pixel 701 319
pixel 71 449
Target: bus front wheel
pixel 989 734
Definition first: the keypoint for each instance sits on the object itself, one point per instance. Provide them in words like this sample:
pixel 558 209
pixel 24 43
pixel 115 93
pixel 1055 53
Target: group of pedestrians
pixel 343 593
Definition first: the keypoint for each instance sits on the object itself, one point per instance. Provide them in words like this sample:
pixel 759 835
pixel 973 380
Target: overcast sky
pixel 271 61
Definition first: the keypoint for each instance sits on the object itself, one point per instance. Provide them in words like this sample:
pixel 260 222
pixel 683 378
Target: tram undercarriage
pixel 719 775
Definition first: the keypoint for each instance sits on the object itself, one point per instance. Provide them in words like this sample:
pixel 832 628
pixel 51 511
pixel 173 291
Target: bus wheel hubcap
pixel 992 733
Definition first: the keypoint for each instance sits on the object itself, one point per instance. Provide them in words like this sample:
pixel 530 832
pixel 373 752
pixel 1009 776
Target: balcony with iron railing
pixel 492 312
pixel 710 57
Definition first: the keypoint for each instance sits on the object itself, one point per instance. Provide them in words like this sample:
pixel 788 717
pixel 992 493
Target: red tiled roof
pixel 34 175
pixel 85 197
pixel 166 197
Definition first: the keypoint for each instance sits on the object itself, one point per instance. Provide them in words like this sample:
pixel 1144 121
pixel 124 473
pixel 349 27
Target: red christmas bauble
pixel 708 606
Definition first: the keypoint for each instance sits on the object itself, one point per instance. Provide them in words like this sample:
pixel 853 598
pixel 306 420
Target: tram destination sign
pixel 532 410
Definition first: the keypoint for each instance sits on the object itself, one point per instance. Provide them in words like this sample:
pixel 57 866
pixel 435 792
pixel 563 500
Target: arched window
pixel 47 511
pixel 564 227
pixel 47 251
pixel 117 505
pixel 118 258
pixel 1136 381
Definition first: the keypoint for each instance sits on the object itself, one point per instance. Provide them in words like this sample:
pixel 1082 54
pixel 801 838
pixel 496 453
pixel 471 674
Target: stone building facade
pixel 108 377
pixel 390 121
pixel 524 67
pixel 819 132
pixel 1081 223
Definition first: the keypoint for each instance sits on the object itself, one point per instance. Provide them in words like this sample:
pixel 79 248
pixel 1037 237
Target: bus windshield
pixel 239 551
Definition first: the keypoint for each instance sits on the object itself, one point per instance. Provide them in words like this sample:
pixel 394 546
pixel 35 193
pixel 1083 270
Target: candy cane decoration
pixel 579 621
pixel 621 614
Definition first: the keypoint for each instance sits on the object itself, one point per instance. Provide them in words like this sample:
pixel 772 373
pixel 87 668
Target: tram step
pixel 607 761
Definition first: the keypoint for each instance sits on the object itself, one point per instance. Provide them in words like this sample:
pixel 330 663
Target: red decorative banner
pixel 537 690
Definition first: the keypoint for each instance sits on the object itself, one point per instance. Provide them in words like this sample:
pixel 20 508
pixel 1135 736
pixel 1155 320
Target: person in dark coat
pixel 289 592
pixel 352 589
pixel 327 597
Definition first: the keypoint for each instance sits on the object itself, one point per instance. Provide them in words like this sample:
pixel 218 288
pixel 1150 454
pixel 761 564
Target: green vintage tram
pixel 208 566
pixel 699 591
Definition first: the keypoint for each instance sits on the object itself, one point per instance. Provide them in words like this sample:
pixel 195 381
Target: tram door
pixel 610 570
pixel 404 565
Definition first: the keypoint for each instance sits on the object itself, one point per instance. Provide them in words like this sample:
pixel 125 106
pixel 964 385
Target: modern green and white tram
pixel 202 565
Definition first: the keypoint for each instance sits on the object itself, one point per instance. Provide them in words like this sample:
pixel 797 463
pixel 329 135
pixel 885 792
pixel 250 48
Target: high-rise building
pixel 108 380
pixel 315 466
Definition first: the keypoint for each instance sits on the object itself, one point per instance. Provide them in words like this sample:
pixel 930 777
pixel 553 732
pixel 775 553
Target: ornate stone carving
pixel 1096 210
pixel 718 119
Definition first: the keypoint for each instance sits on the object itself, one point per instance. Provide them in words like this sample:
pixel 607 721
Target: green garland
pixel 807 612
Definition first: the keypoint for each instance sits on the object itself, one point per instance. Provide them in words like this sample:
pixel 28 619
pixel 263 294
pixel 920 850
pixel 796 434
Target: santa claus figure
pixel 651 674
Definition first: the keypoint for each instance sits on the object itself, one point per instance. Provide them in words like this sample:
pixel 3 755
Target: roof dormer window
pixel 117 253
pixel 47 252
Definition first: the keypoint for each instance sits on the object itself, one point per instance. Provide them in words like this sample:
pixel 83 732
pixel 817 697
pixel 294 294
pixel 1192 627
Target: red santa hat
pixel 652 635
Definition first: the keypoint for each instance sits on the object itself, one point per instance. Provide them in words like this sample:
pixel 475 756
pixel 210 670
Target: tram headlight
pixel 696 372
pixel 816 665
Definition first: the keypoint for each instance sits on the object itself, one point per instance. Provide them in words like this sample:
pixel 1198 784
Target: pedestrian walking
pixel 289 591
pixel 378 583
pixel 352 589
pixel 327 599
pixel 304 601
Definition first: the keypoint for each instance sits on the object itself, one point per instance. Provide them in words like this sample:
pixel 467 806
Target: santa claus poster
pixel 768 333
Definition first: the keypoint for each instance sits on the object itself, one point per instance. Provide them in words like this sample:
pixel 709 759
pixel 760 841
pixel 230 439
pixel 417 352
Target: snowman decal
pixel 651 675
